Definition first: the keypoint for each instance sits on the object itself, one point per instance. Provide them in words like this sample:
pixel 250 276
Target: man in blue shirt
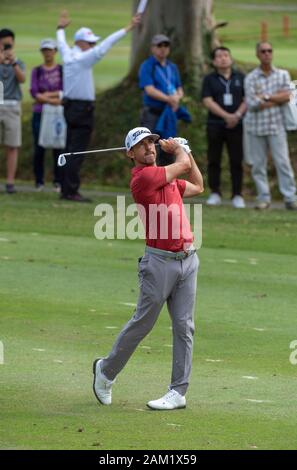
pixel 160 81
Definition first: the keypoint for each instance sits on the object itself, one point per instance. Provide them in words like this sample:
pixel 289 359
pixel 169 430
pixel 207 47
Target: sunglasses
pixel 263 51
pixel 163 44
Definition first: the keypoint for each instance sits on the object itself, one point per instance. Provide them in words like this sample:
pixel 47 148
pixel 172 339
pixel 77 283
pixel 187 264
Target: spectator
pixel 46 87
pixel 267 89
pixel 12 73
pixel 160 81
pixel 223 96
pixel 79 94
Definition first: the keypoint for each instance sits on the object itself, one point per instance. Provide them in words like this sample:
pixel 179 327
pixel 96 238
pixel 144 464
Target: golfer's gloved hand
pixel 184 143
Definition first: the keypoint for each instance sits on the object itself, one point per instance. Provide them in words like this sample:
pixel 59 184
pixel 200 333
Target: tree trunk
pixel 191 28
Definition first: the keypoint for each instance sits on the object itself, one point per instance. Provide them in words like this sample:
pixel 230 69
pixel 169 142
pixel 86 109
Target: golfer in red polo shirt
pixel 168 269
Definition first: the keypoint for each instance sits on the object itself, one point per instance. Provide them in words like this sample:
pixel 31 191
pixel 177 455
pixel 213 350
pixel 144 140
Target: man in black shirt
pixel 223 96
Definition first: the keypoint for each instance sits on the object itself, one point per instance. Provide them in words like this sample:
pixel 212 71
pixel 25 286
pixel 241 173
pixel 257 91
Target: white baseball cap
pixel 137 134
pixel 48 44
pixel 86 34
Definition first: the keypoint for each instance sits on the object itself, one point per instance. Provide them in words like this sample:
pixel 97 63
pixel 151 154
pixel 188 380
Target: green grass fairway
pixel 64 296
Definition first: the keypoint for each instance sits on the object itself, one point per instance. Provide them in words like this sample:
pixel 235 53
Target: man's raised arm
pixel 89 58
pixel 63 22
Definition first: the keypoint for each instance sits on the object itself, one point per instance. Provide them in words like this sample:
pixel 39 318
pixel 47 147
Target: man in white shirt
pixel 79 93
pixel 267 89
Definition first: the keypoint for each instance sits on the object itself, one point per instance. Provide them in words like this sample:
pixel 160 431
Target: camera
pixel 6 47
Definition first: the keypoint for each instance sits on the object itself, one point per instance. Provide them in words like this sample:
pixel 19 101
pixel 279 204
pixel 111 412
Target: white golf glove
pixel 184 143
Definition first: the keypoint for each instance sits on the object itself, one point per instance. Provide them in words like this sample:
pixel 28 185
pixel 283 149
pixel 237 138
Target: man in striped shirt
pixel 267 89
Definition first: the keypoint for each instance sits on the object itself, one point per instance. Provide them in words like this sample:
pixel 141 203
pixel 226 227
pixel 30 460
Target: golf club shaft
pixel 94 151
pixel 62 157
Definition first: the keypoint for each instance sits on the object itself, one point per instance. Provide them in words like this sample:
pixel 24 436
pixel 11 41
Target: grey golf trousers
pixel 161 280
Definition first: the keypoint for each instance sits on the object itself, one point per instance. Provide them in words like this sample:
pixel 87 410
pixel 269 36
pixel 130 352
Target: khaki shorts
pixel 10 125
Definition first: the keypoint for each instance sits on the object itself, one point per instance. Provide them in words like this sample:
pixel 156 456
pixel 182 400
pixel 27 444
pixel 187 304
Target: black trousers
pixel 39 152
pixel 149 119
pixel 217 137
pixel 79 117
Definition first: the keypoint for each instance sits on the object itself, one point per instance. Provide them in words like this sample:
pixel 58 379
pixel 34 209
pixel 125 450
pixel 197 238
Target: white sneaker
pixel 238 202
pixel 101 386
pixel 214 200
pixel 171 401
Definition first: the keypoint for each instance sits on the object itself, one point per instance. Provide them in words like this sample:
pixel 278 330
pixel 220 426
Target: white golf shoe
pixel 171 401
pixel 214 200
pixel 238 202
pixel 101 386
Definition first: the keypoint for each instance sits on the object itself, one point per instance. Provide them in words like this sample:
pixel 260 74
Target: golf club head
pixel 61 160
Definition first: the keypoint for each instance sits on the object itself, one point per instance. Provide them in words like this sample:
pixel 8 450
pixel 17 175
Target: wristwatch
pixel 266 97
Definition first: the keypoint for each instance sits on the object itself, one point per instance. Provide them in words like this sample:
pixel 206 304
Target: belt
pixel 179 255
pixel 10 102
pixel 155 111
pixel 70 100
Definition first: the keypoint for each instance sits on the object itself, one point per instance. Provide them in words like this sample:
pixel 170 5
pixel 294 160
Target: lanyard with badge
pixel 227 97
pixel 167 79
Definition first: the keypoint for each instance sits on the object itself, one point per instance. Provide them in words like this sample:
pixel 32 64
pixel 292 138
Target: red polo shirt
pixel 161 208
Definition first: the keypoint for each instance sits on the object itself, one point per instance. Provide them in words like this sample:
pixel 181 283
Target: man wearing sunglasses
pixel 267 89
pixel 160 81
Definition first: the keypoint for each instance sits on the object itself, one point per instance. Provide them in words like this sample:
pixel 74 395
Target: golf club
pixel 62 158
